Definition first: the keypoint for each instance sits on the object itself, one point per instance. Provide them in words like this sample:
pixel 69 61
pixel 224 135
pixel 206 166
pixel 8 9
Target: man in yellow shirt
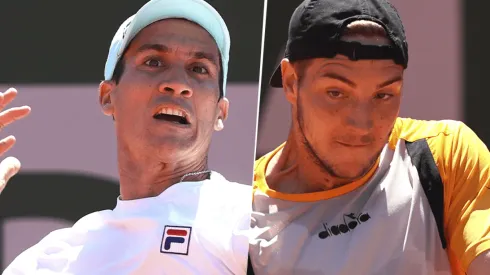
pixel 355 189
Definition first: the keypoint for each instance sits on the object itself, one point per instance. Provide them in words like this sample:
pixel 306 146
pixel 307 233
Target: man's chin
pixel 170 142
pixel 170 132
pixel 350 171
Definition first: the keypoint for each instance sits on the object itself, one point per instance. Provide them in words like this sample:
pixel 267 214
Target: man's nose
pixel 361 117
pixel 176 81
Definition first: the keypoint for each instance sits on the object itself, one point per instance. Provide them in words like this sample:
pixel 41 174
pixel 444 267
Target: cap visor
pixel 276 79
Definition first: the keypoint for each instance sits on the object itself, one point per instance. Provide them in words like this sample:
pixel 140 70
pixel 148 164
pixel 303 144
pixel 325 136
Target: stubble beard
pixel 324 164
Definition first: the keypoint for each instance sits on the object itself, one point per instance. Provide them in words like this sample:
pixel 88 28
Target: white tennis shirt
pixel 191 228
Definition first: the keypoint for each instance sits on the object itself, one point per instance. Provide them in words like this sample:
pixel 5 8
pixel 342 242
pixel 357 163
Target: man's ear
pixel 223 106
pixel 105 91
pixel 289 80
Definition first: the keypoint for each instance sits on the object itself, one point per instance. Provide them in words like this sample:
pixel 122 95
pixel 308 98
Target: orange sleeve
pixel 464 164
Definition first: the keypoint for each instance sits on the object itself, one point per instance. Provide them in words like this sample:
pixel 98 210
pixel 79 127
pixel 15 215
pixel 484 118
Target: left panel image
pixel 133 124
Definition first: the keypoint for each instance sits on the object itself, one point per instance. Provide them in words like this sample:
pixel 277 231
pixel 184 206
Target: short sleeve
pixel 464 163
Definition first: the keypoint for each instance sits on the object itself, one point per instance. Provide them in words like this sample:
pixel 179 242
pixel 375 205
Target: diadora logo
pixel 351 221
pixel 176 240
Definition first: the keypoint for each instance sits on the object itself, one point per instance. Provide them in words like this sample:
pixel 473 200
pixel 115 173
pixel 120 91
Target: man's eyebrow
pixel 340 78
pixel 154 47
pixel 197 55
pixel 207 56
pixel 389 82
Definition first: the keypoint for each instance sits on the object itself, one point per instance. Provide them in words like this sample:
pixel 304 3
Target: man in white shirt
pixel 165 80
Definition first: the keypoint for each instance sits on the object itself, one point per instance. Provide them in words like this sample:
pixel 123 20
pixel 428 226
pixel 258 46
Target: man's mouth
pixel 354 145
pixel 172 115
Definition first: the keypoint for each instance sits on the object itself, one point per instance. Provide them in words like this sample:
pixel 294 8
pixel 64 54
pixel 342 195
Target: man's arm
pixel 25 263
pixel 464 164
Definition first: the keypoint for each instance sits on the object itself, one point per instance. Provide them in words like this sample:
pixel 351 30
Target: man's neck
pixel 292 170
pixel 148 177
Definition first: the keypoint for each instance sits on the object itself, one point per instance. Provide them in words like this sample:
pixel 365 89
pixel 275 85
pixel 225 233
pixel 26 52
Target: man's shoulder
pixel 93 221
pixel 262 159
pixel 220 182
pixel 90 222
pixel 259 163
pixel 453 144
pixel 221 191
pixel 415 129
pixel 55 249
pixel 226 203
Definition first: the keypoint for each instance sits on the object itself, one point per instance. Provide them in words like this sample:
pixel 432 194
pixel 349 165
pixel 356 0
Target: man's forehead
pixel 343 62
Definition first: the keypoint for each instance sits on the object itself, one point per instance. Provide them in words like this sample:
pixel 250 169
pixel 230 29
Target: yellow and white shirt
pixel 191 228
pixel 382 223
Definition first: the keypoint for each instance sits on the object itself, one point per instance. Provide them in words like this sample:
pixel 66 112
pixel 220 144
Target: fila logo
pixel 349 224
pixel 176 239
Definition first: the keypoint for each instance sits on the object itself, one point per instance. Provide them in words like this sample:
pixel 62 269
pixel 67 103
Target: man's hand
pixel 9 166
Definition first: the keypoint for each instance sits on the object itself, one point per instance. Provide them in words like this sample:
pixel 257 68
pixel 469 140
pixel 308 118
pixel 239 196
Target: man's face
pixel 344 110
pixel 167 100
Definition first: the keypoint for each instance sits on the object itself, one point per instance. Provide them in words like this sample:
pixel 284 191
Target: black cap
pixel 316 27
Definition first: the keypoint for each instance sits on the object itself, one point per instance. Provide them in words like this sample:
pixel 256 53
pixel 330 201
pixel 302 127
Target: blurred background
pixel 447 75
pixel 54 53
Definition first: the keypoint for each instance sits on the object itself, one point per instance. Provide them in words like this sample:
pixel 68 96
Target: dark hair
pixel 119 70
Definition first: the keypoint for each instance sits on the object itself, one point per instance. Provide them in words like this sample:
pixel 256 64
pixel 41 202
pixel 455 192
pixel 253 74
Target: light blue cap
pixel 197 11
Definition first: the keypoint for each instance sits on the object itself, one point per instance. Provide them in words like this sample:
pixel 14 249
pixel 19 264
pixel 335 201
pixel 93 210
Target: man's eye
pixel 383 96
pixel 335 94
pixel 153 63
pixel 199 70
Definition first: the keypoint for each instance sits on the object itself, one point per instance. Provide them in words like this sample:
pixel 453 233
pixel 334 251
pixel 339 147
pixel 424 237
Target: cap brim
pixel 276 79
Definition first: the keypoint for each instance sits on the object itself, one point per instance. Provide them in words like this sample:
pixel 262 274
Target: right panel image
pixel 370 158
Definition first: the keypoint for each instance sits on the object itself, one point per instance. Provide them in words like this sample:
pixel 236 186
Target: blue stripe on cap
pixel 197 11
